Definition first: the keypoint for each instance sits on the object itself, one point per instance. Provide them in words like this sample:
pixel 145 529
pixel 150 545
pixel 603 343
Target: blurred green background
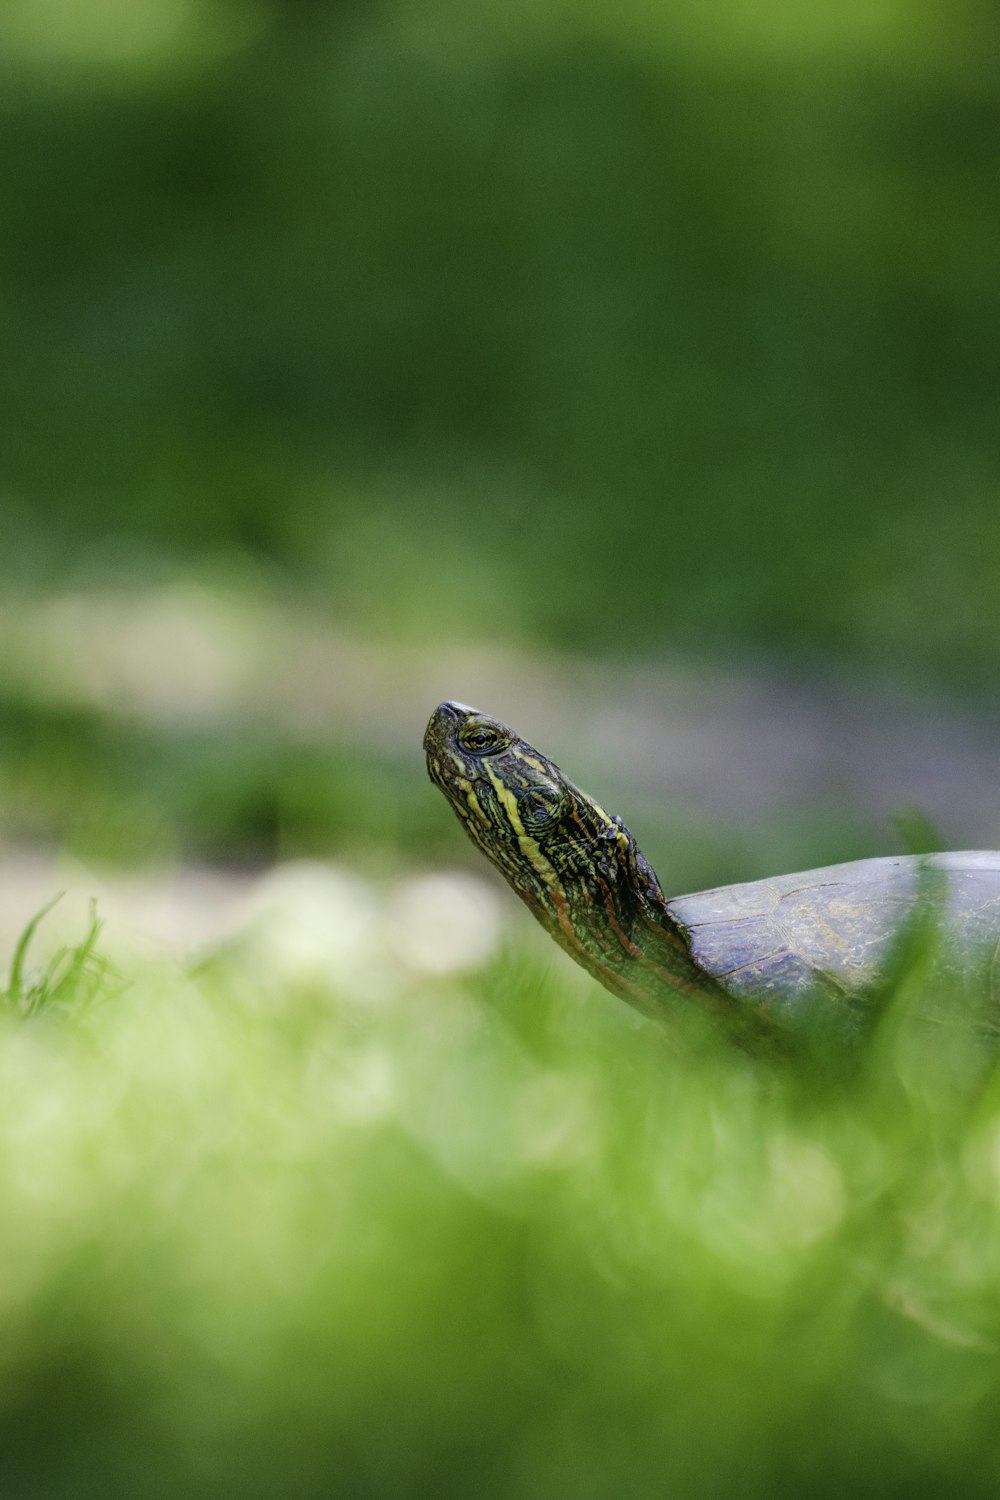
pixel 629 332
pixel 623 326
pixel 629 370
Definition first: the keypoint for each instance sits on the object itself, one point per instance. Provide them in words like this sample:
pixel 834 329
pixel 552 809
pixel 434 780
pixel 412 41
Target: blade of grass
pixel 15 981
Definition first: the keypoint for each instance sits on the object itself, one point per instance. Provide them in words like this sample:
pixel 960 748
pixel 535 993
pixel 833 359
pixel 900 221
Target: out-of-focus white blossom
pixel 304 921
pixel 441 923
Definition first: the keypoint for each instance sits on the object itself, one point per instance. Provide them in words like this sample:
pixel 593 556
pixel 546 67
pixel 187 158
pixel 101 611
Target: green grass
pixel 73 974
pixel 488 1235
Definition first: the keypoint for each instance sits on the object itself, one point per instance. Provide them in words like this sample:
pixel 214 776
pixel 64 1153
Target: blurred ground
pixel 723 777
pixel 742 743
pixel 763 761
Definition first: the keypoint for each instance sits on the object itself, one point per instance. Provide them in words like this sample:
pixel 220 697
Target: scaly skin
pixel 578 869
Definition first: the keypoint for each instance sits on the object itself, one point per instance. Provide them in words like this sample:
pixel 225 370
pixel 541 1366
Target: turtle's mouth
pixel 446 766
pixel 442 715
pixel 442 724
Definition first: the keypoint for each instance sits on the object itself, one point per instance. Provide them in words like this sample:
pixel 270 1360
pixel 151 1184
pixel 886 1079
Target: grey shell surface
pixel 776 940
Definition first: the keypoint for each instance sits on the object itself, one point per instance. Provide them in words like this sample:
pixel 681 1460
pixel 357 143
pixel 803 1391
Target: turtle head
pixel 576 867
pixel 514 802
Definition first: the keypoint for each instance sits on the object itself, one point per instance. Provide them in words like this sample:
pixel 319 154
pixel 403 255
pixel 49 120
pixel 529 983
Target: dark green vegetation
pixel 492 1237
pixel 623 328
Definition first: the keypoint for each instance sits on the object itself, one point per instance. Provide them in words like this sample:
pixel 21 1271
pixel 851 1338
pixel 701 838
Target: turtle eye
pixel 482 738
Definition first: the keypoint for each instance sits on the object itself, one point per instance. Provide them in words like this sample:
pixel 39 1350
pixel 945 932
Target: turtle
pixel 769 951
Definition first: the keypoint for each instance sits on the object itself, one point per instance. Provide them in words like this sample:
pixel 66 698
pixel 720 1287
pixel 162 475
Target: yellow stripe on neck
pixel 529 846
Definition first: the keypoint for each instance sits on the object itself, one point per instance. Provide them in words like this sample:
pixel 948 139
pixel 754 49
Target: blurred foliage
pixel 617 326
pixel 131 794
pixel 495 1236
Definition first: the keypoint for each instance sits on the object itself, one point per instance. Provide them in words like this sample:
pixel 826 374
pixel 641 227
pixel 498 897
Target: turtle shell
pixel 776 940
